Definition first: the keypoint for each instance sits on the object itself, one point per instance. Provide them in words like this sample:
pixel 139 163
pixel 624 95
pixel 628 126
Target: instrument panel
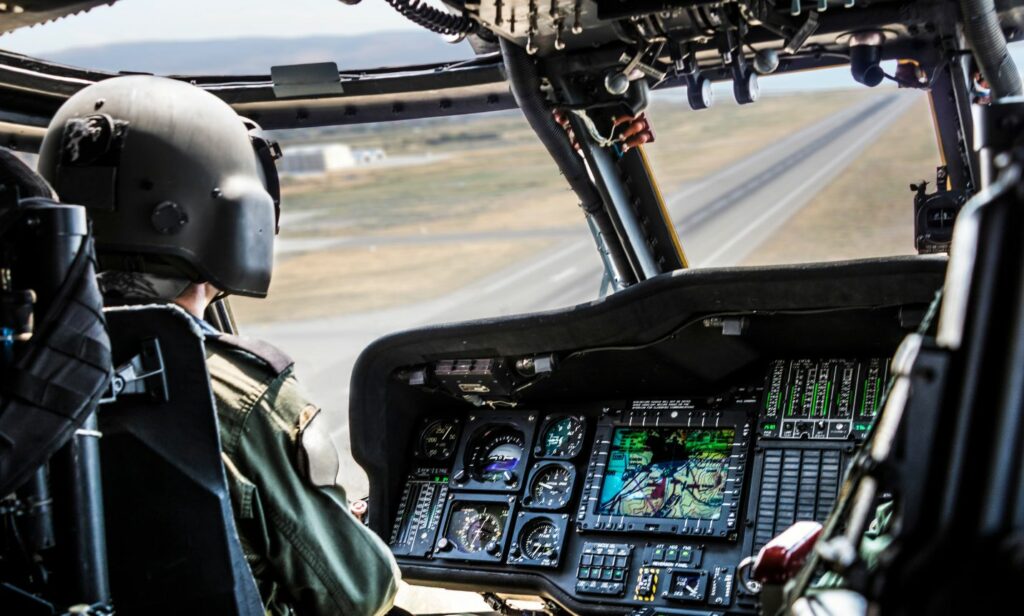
pixel 634 504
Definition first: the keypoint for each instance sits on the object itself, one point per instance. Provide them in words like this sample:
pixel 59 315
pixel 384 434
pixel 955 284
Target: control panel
pixel 643 504
pixel 825 399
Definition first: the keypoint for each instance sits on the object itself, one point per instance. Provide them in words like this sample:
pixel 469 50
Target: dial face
pixel 540 540
pixel 551 486
pixel 563 438
pixel 437 441
pixel 494 453
pixel 475 527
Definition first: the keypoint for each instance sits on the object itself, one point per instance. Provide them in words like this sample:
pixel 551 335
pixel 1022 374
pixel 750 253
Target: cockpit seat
pixel 54 353
pixel 172 543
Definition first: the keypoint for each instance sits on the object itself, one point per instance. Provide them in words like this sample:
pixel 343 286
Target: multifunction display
pixel 672 473
pixel 667 467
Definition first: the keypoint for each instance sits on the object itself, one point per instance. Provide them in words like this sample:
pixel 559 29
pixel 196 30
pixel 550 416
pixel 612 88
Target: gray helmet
pixel 170 173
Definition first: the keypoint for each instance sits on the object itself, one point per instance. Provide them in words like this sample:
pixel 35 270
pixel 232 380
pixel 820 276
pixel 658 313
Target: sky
pixel 177 20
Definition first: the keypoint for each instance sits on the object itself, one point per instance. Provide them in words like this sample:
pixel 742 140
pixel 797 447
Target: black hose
pixel 985 35
pixel 525 83
pixel 524 80
pixel 435 20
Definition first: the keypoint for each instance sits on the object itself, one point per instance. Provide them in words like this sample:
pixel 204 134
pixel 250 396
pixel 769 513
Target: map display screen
pixel 670 473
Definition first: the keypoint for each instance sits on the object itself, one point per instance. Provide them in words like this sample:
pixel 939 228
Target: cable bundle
pixel 433 19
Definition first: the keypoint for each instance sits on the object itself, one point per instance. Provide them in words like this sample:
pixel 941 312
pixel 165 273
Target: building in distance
pixel 325 158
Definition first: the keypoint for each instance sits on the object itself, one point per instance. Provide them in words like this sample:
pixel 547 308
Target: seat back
pixel 172 542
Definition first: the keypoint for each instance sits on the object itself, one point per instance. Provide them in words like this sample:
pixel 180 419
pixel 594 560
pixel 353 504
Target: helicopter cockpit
pixel 817 438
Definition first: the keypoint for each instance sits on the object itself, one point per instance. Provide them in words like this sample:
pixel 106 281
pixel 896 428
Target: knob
pixel 444 545
pixel 510 478
pixel 516 552
pixel 493 549
pixel 616 83
pixel 460 477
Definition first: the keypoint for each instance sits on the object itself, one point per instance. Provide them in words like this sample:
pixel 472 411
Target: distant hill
pixel 257 55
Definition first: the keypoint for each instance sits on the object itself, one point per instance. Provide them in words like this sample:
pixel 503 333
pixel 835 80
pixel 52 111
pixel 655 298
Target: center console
pixel 626 457
pixel 649 502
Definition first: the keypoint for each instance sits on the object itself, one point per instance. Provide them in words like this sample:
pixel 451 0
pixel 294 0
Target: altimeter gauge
pixel 550 486
pixel 438 439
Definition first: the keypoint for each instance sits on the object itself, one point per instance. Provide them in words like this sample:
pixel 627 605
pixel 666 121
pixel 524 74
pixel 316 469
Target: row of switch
pixel 598 560
pixel 607 574
pixel 672 554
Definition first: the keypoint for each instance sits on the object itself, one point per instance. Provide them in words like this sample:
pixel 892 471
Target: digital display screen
pixel 670 473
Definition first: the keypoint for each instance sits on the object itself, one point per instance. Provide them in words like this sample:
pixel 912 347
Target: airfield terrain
pixel 482 225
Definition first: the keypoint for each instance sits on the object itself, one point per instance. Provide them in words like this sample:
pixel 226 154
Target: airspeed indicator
pixel 437 441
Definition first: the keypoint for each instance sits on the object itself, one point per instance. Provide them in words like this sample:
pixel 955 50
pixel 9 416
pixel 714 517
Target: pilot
pixel 184 199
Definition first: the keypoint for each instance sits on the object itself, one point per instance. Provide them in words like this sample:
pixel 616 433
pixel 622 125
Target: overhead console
pixel 686 423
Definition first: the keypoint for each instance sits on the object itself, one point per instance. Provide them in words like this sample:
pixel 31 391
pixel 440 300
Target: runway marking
pixel 831 166
pixel 529 269
pixel 569 271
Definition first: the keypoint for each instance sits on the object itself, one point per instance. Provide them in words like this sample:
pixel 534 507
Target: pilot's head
pixel 182 191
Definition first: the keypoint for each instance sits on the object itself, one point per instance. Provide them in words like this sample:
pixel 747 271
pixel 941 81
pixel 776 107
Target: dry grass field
pixel 868 210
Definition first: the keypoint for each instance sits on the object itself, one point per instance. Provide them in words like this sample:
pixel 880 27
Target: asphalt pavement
pixel 721 219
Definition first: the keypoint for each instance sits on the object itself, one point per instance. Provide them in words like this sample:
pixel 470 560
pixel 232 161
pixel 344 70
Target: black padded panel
pixel 171 536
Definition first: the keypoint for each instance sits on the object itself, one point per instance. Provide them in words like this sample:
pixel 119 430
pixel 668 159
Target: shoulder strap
pixel 275 358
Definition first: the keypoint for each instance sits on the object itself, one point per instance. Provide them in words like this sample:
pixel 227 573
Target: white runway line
pixel 562 275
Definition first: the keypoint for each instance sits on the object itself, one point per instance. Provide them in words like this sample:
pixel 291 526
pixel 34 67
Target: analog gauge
pixel 563 438
pixel 540 540
pixel 495 454
pixel 551 486
pixel 437 441
pixel 477 527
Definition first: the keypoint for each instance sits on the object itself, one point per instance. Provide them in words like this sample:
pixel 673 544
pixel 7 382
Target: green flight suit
pixel 309 555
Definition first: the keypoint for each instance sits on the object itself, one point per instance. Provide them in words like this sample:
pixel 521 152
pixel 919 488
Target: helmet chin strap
pixel 135 285
pixel 194 297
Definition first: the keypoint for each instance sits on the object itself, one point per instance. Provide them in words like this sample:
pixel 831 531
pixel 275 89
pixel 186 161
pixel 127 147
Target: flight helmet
pixel 172 178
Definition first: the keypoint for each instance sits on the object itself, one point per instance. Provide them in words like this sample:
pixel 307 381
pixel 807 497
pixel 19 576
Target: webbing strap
pixel 44 394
